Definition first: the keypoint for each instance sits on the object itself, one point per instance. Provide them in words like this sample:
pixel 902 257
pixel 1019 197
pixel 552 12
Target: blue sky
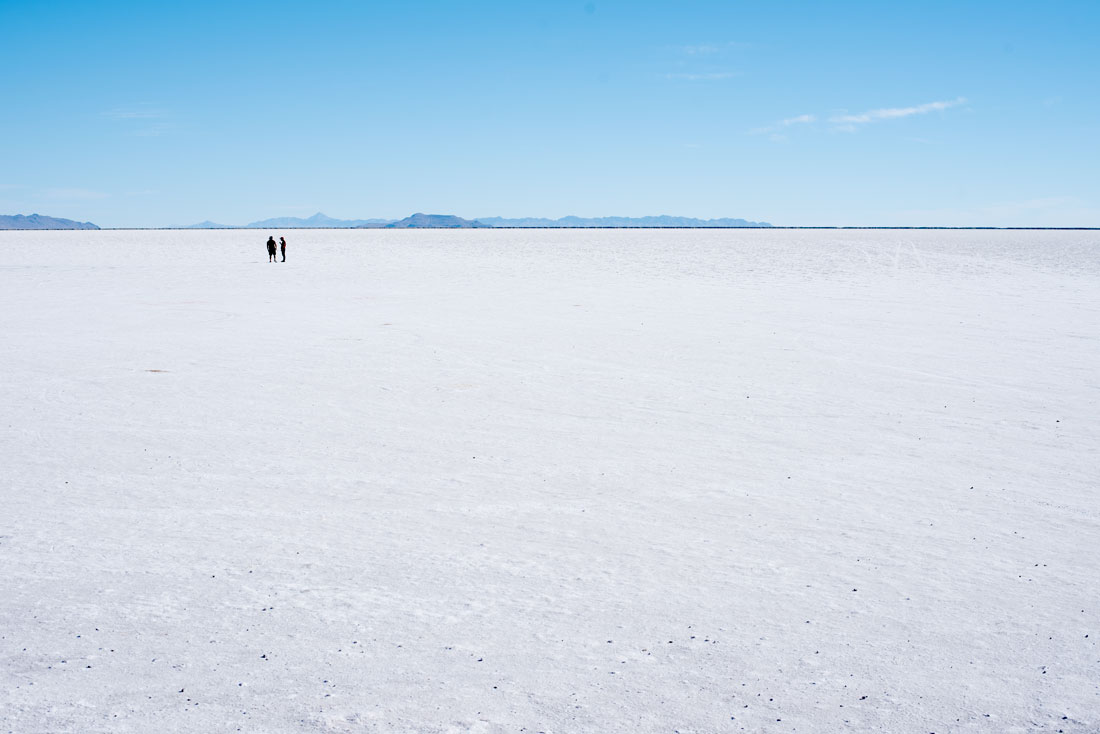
pixel 937 113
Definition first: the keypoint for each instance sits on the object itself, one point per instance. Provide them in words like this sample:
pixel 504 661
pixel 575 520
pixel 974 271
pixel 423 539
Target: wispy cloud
pixel 702 49
pixel 849 123
pixel 701 61
pixel 153 131
pixel 782 124
pixel 709 49
pixel 1046 211
pixel 73 194
pixel 800 119
pixel 702 76
pixel 143 120
pixel 142 111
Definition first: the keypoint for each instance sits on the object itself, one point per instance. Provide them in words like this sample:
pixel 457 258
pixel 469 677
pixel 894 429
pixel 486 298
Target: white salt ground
pixel 559 481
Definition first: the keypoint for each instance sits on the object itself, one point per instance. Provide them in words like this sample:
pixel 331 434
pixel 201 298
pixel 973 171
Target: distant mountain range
pixel 448 221
pixel 428 221
pixel 39 221
pixel 317 221
pixel 416 221
pixel 656 222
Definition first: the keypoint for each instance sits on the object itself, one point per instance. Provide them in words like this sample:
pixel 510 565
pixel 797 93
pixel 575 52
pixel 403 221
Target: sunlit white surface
pixel 550 481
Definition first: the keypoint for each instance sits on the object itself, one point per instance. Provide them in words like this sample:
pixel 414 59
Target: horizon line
pixel 770 226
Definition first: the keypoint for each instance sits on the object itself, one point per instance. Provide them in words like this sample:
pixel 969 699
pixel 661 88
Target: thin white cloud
pixel 801 119
pixel 851 123
pixel 153 131
pixel 1046 211
pixel 1046 202
pixel 798 120
pixel 73 194
pixel 702 76
pixel 136 112
pixel 709 49
pixel 701 61
pixel 702 49
pixel 848 123
pixel 142 120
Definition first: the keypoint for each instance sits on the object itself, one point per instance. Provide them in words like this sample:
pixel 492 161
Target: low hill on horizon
pixel 41 221
pixel 317 221
pixel 433 221
pixel 210 225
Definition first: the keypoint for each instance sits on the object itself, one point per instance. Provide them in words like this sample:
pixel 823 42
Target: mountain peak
pixel 444 221
pixel 41 221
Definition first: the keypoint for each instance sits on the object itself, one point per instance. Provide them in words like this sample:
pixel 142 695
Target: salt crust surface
pixel 557 481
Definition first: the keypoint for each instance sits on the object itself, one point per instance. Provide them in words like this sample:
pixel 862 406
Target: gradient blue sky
pixel 876 113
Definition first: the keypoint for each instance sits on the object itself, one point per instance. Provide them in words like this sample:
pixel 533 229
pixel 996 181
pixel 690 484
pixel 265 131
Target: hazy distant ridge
pixel 431 221
pixel 210 225
pixel 40 221
pixel 659 221
pixel 317 221
pixel 449 221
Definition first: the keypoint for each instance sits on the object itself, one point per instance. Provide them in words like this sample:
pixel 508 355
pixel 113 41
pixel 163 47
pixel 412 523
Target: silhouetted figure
pixel 282 246
pixel 271 249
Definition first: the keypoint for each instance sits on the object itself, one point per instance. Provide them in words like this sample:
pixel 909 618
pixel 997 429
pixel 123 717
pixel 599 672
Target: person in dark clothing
pixel 271 249
pixel 282 246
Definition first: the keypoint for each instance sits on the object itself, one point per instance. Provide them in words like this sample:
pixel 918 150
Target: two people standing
pixel 271 249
